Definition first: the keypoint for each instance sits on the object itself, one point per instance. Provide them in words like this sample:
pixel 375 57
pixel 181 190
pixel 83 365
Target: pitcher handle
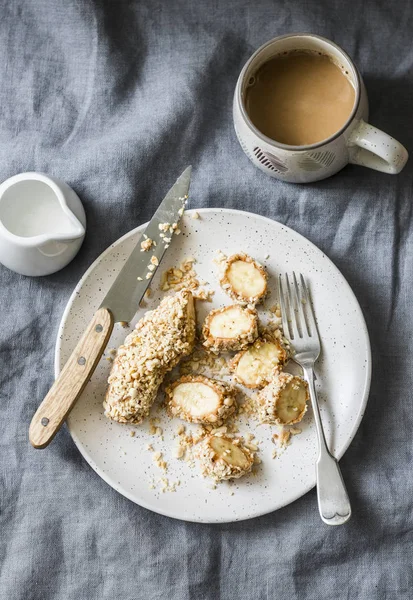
pixel 371 147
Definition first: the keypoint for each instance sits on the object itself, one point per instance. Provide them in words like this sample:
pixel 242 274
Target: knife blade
pixel 119 304
pixel 134 278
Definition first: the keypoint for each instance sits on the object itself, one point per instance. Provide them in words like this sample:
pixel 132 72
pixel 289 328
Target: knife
pixel 119 305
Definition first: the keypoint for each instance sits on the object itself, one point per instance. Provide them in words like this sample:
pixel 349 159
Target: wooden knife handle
pixel 72 380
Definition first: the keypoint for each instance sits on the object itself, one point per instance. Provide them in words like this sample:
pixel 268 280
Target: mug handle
pixel 371 147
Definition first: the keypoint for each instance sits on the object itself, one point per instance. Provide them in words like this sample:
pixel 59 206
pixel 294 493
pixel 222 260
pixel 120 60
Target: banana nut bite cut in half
pixel 244 279
pixel 199 399
pixel 224 458
pixel 159 341
pixel 230 328
pixel 255 366
pixel 284 400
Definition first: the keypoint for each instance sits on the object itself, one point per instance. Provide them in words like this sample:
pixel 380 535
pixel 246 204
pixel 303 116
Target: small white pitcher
pixel 42 224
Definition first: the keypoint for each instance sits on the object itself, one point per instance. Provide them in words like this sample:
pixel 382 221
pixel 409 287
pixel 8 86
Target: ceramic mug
pixel 356 142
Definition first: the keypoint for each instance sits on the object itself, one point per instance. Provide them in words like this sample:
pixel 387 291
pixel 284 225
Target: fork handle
pixel 333 501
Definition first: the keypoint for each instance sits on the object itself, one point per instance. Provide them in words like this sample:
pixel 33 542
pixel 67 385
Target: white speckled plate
pixel 343 375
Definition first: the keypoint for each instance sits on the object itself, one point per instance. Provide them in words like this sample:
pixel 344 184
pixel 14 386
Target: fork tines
pixel 296 310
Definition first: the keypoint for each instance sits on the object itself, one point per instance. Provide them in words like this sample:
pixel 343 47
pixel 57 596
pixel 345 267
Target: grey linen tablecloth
pixel 116 98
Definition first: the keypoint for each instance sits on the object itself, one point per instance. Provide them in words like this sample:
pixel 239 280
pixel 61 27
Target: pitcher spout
pixel 71 229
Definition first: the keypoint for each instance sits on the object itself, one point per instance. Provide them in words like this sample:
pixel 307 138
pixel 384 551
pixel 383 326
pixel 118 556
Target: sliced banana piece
pixel 255 366
pixel 199 399
pixel 223 458
pixel 230 328
pixel 284 400
pixel 244 279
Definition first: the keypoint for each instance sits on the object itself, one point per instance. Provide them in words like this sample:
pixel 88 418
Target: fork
pixel 300 329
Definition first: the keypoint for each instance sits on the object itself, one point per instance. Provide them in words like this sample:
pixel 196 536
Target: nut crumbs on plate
pixel 146 245
pixel 185 277
pixel 285 438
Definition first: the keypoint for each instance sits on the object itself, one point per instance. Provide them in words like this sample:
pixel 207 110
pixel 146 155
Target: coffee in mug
pixel 300 98
pixel 300 112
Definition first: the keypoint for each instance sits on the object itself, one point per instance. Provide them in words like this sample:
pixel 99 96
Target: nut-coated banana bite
pixel 230 328
pixel 284 400
pixel 255 366
pixel 224 458
pixel 200 399
pixel 244 279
